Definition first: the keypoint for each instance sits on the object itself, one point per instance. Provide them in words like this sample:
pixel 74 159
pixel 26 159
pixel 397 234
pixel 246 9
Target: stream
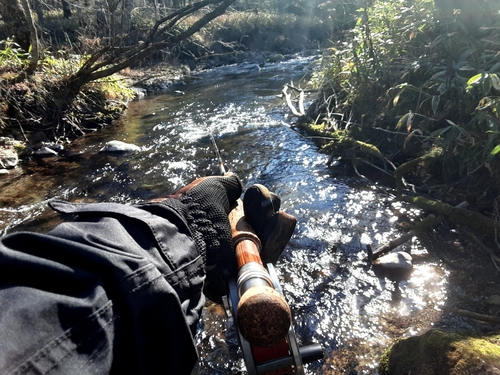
pixel 335 298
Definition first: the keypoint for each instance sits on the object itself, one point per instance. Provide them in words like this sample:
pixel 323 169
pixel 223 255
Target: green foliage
pixel 383 35
pixel 110 88
pixel 375 54
pixel 12 55
pixel 408 79
pixel 60 67
pixel 40 99
pixel 270 31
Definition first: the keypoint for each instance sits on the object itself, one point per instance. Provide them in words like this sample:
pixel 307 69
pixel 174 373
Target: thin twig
pixel 376 167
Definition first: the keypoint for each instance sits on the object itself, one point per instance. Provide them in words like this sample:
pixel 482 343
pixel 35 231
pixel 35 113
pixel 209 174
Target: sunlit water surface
pixel 336 299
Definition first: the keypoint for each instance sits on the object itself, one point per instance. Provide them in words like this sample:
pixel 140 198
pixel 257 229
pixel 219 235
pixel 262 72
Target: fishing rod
pixel 217 154
pixel 256 302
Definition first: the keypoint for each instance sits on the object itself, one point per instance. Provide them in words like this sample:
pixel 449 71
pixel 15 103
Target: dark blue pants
pixel 119 290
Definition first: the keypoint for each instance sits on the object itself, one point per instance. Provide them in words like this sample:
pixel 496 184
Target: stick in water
pixel 217 153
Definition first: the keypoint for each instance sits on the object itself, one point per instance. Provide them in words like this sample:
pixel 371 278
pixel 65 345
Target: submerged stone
pixel 45 151
pixel 442 353
pixel 276 57
pixel 119 147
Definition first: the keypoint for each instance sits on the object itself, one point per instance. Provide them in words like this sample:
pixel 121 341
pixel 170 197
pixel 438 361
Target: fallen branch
pixel 353 162
pixel 301 102
pixel 473 315
pixel 288 98
pixel 422 226
pixel 404 168
pixel 473 220
pixel 493 257
pixel 375 166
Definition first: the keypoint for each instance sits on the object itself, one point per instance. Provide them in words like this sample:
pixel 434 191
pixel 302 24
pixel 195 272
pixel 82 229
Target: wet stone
pixel 119 147
pixel 394 266
pixel 439 352
pixel 45 151
pixel 8 158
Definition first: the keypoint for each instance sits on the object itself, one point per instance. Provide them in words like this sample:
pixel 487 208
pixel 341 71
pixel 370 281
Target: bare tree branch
pixel 108 60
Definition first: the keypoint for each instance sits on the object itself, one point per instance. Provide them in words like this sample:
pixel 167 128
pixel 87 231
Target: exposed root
pixel 473 315
pixel 482 246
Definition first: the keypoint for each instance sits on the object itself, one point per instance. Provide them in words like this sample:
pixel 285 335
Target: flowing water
pixel 336 299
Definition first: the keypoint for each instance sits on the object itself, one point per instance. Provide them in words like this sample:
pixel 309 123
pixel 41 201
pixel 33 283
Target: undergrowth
pixel 40 101
pixel 270 31
pixel 408 78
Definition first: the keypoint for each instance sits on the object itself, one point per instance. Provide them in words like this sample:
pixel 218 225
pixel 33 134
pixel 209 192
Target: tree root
pixel 473 315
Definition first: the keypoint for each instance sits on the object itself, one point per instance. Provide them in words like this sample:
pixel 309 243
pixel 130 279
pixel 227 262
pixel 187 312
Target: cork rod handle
pixel 263 315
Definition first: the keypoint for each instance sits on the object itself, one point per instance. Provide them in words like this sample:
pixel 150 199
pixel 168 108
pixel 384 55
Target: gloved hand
pixel 209 200
pixel 273 226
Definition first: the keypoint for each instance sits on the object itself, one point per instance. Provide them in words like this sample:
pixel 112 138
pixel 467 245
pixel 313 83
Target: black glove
pixel 209 200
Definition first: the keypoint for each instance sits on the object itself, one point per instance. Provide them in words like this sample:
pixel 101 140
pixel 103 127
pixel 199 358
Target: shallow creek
pixel 336 299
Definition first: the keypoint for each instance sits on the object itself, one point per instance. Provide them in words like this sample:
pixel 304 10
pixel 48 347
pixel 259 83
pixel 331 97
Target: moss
pixel 475 221
pixel 438 352
pixel 321 130
pixel 317 128
pixel 477 350
pixel 405 168
pixel 369 149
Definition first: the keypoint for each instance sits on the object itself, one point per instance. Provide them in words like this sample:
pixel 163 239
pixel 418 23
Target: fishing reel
pixel 285 357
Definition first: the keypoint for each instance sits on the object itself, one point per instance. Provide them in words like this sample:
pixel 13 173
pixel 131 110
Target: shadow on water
pixel 336 300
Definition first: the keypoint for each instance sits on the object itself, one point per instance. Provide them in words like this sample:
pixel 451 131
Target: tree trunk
pixel 15 23
pixel 38 10
pixel 103 64
pixel 127 7
pixel 35 47
pixel 66 9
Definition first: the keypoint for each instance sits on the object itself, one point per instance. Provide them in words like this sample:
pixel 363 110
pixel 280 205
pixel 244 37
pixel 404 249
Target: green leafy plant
pixel 12 55
pixel 375 55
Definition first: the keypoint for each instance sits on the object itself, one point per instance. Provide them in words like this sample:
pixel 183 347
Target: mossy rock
pixel 276 57
pixel 442 353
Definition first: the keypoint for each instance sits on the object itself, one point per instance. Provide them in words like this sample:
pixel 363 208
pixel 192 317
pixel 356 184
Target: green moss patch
pixel 438 352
